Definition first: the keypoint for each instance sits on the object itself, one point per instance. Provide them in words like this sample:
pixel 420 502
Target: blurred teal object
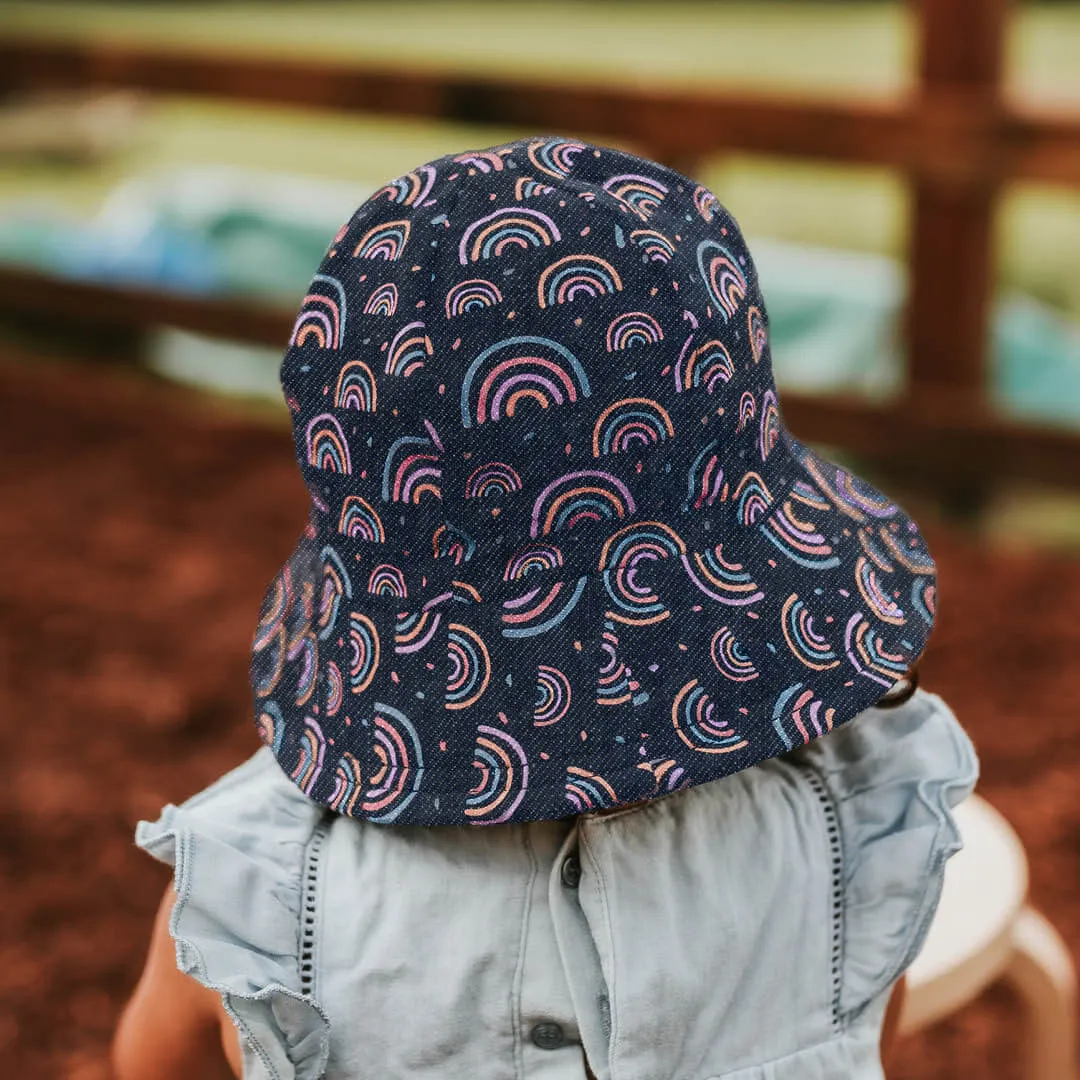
pixel 1035 362
pixel 201 229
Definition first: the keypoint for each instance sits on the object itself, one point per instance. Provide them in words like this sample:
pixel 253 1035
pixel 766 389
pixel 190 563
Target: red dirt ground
pixel 138 529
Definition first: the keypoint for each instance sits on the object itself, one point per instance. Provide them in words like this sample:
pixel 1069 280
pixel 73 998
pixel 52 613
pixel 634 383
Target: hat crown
pixel 509 355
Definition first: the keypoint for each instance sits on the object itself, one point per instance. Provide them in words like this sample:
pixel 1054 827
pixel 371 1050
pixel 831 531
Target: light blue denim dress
pixel 750 928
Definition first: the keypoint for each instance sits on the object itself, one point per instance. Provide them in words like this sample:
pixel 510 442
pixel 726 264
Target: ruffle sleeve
pixel 238 850
pixel 893 776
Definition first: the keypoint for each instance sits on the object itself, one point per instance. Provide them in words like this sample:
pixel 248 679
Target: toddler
pixel 592 744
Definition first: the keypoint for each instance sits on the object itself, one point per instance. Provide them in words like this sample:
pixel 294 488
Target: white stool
pixel 984 930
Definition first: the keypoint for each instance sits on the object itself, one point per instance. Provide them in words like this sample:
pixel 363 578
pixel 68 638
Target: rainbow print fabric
pixel 562 552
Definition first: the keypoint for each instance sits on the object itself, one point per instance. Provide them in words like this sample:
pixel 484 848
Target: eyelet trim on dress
pixel 836 899
pixel 309 906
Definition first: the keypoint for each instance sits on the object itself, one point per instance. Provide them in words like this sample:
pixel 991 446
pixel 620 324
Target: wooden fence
pixel 955 138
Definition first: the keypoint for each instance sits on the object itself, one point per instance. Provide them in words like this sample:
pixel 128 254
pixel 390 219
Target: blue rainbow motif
pixel 806 644
pixel 696 722
pixel 633 328
pixel 518 368
pixel 476 294
pixel 383 300
pixel 730 658
pixel 923 599
pixel 271 725
pixel 409 190
pixel 727 583
pixel 616 684
pixel 348 785
pixel 769 428
pixel 752 498
pixel 469 667
pixel 798 540
pixel 539 610
pixel 641 194
pixel 312 750
pixel 555 156
pixel 355 387
pixel 454 543
pixel 303 651
pixel 411 470
pixel 709 366
pixel 503 780
pixel 867 653
pixel 400 765
pixel 535 558
pixel 799 716
pixel 508 227
pixel 877 599
pixel 364 650
pixel 912 558
pixel 387 580
pixel 655 246
pixel 326 445
pixel 335 688
pixel 705 202
pixel 747 409
pixel 386 241
pixel 496 477
pixel 553 696
pixel 414 630
pixel 705 483
pixel 722 275
pixel 408 350
pixel 625 561
pixel 321 318
pixel 485 161
pixel 360 520
pixel 525 187
pixel 636 420
pixel 582 495
pixel 566 278
pixel 336 584
pixel 587 791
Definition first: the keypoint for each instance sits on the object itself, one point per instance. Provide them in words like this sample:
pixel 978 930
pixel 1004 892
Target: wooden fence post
pixel 950 255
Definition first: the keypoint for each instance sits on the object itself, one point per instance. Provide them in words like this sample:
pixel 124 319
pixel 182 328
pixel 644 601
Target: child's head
pixel 562 552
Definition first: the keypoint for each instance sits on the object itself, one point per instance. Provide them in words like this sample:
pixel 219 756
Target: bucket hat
pixel 562 552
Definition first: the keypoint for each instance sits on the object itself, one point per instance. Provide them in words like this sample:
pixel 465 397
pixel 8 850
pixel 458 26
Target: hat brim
pixel 553 697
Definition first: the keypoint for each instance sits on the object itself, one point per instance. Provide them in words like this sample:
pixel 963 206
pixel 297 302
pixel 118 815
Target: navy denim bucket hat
pixel 562 552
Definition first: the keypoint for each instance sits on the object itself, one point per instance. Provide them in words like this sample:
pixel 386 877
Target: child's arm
pixel 173 1028
pixel 892 1018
